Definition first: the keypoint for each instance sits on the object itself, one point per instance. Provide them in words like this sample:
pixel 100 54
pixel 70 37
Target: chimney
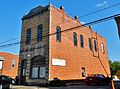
pixel 62 8
pixel 90 28
pixel 76 17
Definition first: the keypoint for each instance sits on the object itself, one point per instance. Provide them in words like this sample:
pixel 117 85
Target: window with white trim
pixel 102 47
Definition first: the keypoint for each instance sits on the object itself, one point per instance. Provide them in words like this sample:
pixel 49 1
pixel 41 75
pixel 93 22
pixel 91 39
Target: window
pixel 95 45
pixel 102 48
pixel 39 33
pixel 13 63
pixel 83 72
pixel 75 38
pixel 38 69
pixel 23 67
pixel 90 44
pixel 81 41
pixel 42 72
pixel 24 72
pixel 28 41
pixel 35 72
pixel 1 64
pixel 58 33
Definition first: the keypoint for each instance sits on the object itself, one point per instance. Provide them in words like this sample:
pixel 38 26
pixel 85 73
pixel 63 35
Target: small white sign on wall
pixel 58 62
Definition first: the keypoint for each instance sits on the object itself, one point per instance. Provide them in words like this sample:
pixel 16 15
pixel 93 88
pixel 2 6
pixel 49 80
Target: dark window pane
pixel 28 41
pixel 95 45
pixel 83 72
pixel 90 44
pixel 39 32
pixel 81 41
pixel 58 34
pixel 75 38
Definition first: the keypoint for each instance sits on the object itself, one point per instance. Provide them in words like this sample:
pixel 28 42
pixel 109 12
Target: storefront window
pixel 38 69
pixel 42 72
pixel 35 72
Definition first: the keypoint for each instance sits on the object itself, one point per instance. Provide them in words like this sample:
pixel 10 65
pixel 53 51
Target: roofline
pixel 9 53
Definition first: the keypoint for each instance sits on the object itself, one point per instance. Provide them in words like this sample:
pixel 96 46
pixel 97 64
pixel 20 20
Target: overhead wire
pixel 99 10
pixel 13 39
pixel 10 44
pixel 91 13
pixel 72 19
pixel 90 23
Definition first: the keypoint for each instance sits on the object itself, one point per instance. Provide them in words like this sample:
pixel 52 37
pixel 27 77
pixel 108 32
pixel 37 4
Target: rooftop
pixel 36 11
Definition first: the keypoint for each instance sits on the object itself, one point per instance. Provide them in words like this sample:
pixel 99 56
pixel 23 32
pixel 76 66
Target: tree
pixel 116 67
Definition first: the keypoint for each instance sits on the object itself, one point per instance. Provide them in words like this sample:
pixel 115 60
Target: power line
pixel 90 23
pixel 10 44
pixel 72 20
pixel 99 10
pixel 91 13
pixel 9 40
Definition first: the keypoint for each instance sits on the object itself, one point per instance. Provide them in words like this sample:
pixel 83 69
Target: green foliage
pixel 115 65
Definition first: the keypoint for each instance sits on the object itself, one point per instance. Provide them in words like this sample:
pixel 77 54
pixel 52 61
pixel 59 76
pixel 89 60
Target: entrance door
pixel 23 71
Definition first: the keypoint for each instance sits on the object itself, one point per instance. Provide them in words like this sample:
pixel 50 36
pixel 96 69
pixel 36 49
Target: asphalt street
pixel 82 86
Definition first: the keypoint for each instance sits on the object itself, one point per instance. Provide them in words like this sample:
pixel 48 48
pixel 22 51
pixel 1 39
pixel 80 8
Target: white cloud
pixel 102 4
pixel 82 22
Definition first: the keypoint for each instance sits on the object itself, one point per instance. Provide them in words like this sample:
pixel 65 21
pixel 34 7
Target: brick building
pixel 9 64
pixel 55 45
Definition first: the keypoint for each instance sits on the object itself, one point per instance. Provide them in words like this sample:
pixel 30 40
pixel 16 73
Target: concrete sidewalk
pixel 27 87
pixel 70 87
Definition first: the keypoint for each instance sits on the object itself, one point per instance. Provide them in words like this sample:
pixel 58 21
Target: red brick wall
pixel 7 68
pixel 75 56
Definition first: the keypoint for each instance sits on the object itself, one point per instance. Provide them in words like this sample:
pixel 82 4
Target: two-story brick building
pixel 53 44
pixel 9 64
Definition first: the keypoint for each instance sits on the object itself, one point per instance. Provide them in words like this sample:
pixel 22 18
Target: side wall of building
pixel 74 58
pixel 9 64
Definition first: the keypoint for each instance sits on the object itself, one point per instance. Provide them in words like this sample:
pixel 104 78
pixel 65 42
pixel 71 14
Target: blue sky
pixel 13 11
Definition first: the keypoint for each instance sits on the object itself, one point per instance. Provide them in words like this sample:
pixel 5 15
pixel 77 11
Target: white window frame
pixel 102 48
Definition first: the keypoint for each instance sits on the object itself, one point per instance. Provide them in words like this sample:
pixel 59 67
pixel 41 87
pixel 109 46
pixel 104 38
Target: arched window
pixel 38 69
pixel 28 39
pixel 102 47
pixel 75 38
pixel 81 41
pixel 39 32
pixel 58 33
pixel 90 44
pixel 95 45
